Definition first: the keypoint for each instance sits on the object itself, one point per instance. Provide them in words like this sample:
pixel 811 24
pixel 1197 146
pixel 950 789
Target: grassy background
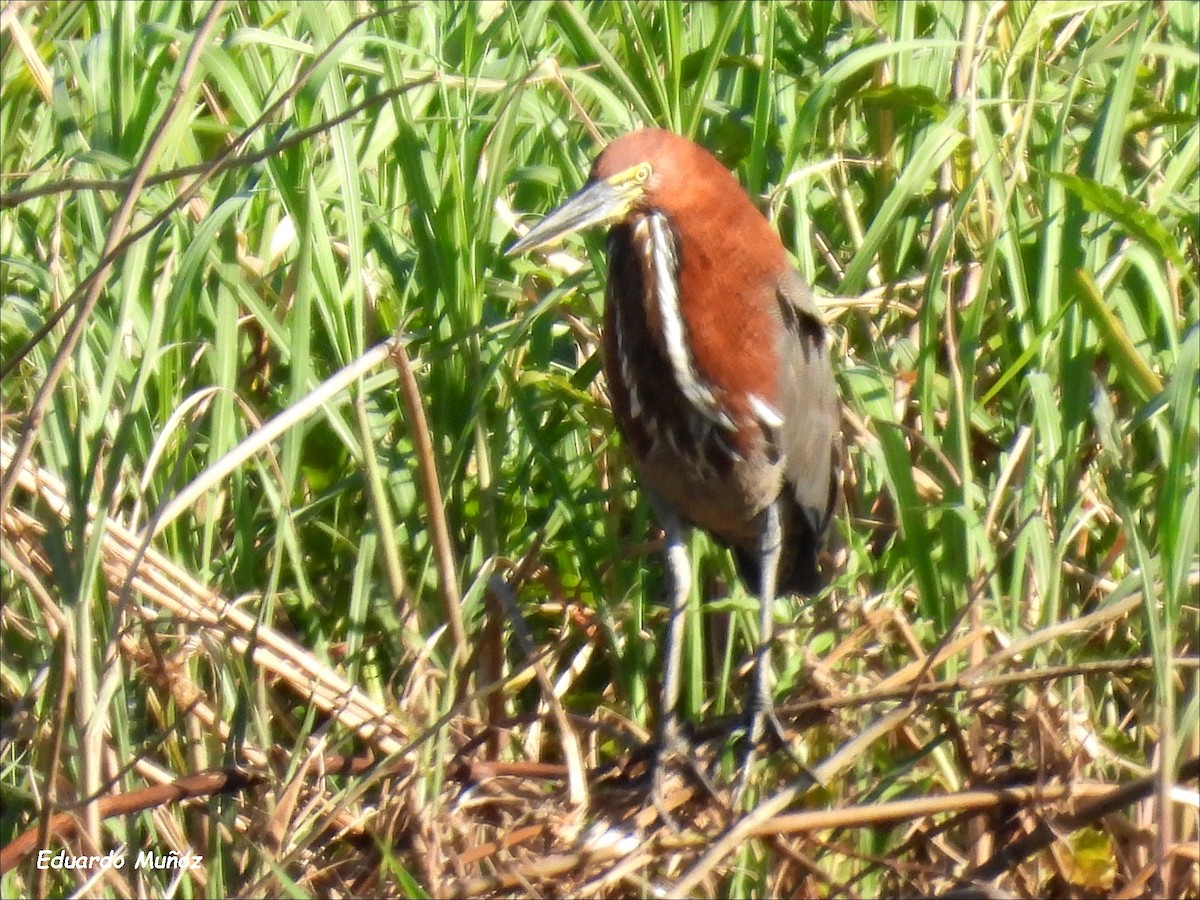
pixel 998 204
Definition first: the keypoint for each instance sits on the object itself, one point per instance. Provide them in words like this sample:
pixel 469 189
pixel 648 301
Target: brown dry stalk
pixel 483 851
pixel 576 779
pixel 439 531
pixel 1045 834
pixel 897 689
pixel 65 824
pixel 174 591
pixel 902 810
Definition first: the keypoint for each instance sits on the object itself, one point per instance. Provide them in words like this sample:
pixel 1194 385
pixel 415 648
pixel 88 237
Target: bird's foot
pixel 759 722
pixel 675 750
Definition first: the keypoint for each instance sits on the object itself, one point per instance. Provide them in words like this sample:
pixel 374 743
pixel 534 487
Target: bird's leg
pixel 760 712
pixel 677 578
pixel 669 737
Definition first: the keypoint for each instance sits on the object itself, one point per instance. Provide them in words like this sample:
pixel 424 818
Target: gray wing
pixel 809 439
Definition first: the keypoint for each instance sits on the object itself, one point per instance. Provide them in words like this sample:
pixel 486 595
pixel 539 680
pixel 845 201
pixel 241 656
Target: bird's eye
pixel 642 175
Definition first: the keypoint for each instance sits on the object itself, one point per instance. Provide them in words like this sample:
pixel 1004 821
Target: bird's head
pixel 641 170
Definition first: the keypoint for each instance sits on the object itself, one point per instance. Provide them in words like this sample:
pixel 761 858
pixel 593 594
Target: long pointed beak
pixel 596 203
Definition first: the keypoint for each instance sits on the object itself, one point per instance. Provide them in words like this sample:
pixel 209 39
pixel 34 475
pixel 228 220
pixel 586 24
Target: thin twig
pixel 1044 834
pixel 439 531
pixel 961 684
pixel 576 780
pixel 212 168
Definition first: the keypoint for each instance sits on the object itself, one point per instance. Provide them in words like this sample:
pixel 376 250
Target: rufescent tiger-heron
pixel 717 361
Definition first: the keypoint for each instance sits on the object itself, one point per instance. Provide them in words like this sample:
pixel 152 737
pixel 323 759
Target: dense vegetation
pixel 240 530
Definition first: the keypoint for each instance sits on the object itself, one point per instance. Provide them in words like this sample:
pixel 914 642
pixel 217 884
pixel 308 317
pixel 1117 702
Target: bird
pixel 718 366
